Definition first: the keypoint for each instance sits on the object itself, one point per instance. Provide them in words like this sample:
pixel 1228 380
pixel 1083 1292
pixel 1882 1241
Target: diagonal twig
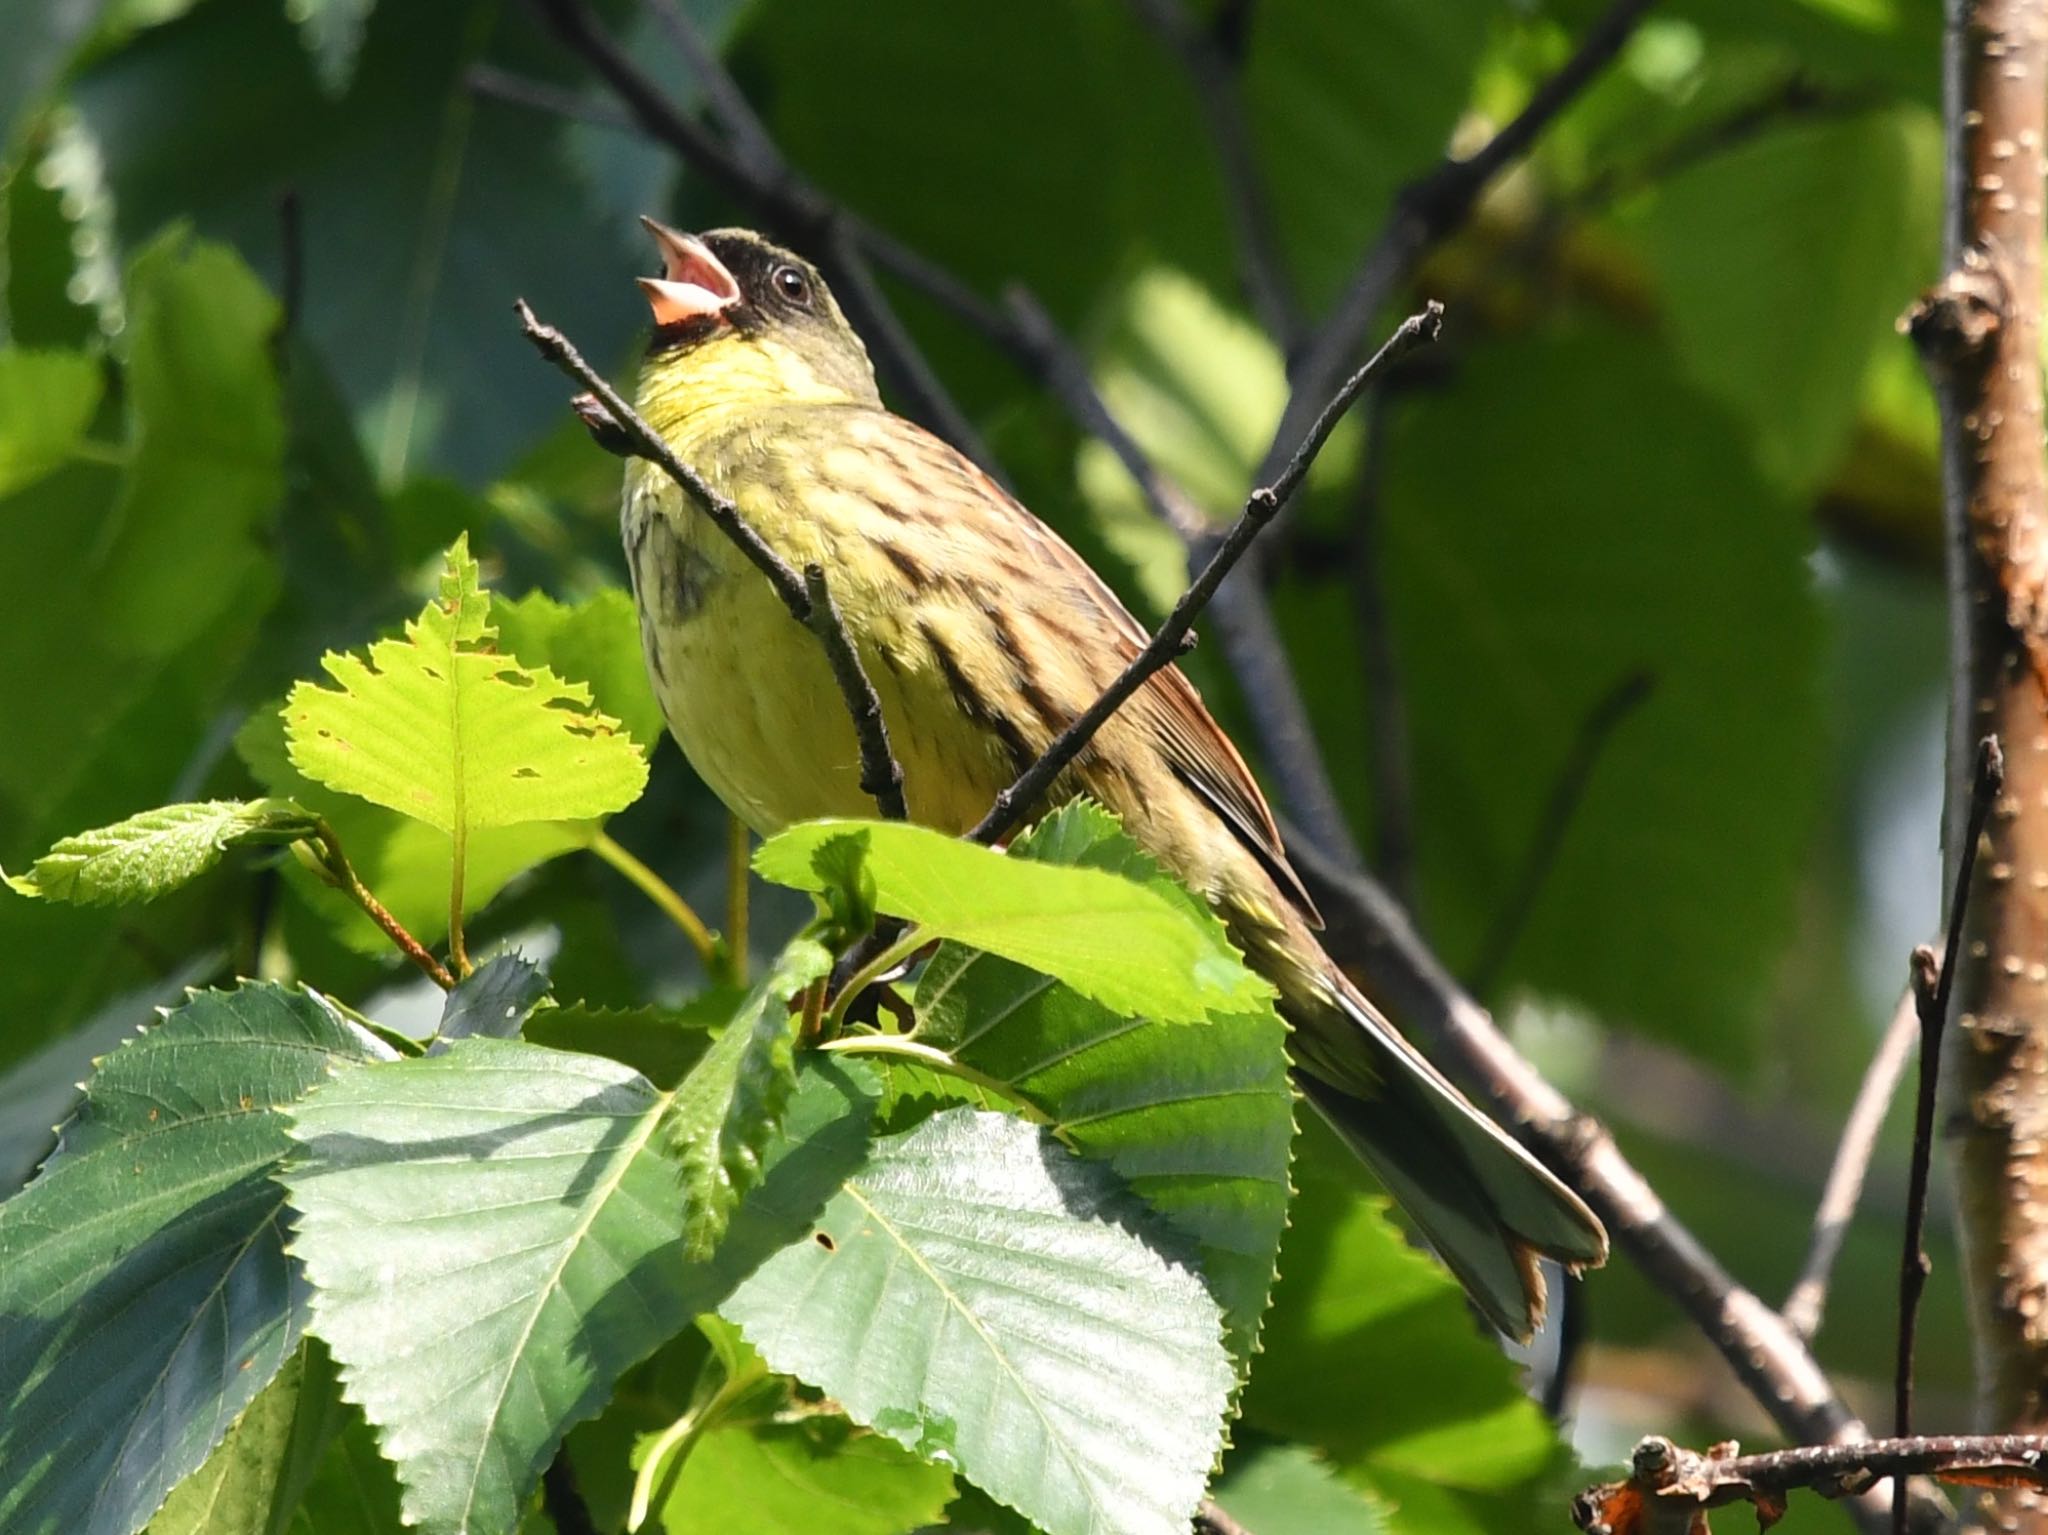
pixel 1933 981
pixel 1368 932
pixel 1807 1299
pixel 1610 710
pixel 792 205
pixel 1215 79
pixel 1173 635
pixel 621 430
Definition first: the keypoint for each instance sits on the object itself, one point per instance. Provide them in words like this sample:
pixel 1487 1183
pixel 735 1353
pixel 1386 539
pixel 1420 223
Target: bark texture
pixel 1979 331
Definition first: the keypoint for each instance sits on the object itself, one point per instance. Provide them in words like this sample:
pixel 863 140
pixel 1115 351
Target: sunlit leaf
pixel 152 853
pixel 46 403
pixel 1129 947
pixel 441 727
pixel 982 1296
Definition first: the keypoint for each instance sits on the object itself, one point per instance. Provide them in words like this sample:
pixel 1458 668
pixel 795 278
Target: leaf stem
pixel 458 954
pixel 738 845
pixel 681 1436
pixel 937 1060
pixel 661 893
pixel 335 864
pixel 874 969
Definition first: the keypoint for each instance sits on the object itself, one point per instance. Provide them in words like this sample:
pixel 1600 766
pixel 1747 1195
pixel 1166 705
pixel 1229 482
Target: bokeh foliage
pixel 1668 434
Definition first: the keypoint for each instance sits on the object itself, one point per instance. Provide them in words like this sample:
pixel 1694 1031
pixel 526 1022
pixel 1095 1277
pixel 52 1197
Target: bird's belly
pixel 751 700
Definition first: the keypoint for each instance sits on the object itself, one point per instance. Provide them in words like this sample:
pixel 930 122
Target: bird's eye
pixel 792 285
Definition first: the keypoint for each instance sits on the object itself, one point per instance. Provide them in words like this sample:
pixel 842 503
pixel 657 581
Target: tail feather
pixel 1486 1206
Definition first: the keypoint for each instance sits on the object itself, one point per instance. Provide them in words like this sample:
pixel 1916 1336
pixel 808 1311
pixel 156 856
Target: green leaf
pixel 730 1106
pixel 494 1001
pixel 442 728
pixel 596 642
pixel 1358 1307
pixel 149 854
pixel 333 33
pixel 47 401
pixel 801 1478
pixel 985 1298
pixel 253 1481
pixel 493 1239
pixel 1784 261
pixel 206 463
pixel 1285 1490
pixel 407 863
pixel 1671 900
pixel 426 207
pixel 1199 1123
pixel 1129 947
pixel 143 1273
pixel 662 1044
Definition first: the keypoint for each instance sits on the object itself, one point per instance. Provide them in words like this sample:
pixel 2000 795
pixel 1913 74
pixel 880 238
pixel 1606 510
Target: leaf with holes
pixel 143 1275
pixel 439 726
pixel 153 853
pixel 986 1298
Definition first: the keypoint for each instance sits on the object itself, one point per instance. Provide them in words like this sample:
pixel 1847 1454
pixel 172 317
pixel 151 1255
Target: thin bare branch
pixel 1390 758
pixel 753 145
pixel 1567 791
pixel 1843 1191
pixel 1432 207
pixel 1261 266
pixel 1062 369
pixel 1173 636
pixel 1369 933
pixel 541 96
pixel 795 209
pixel 618 428
pixel 1932 982
pixel 1670 1489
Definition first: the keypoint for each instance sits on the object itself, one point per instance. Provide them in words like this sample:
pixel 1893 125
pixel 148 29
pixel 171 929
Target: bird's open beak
pixel 694 283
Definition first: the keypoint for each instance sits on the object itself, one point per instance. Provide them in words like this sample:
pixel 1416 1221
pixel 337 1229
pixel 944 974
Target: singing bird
pixel 984 634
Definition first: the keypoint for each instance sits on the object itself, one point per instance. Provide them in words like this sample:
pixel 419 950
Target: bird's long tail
pixel 1486 1206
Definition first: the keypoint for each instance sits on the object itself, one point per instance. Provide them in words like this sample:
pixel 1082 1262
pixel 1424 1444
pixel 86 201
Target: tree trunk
pixel 1979 331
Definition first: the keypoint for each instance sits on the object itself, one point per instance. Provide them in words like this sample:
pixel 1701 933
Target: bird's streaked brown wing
pixel 1201 755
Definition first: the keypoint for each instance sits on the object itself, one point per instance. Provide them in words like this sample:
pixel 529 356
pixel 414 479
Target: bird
pixel 984 634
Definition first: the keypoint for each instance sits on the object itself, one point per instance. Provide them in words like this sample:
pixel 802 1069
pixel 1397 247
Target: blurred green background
pixel 1669 434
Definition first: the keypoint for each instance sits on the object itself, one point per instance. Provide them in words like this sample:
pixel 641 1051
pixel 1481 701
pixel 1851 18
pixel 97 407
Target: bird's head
pixel 738 318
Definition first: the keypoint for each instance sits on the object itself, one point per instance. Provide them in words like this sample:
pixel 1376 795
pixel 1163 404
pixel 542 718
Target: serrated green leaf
pixel 1200 1124
pixel 253 1481
pixel 493 1001
pixel 801 1478
pixel 46 403
pixel 1127 946
pixel 595 641
pixel 662 1044
pixel 730 1105
pixel 493 1239
pixel 143 1272
pixel 985 1298
pixel 153 853
pixel 406 863
pixel 442 728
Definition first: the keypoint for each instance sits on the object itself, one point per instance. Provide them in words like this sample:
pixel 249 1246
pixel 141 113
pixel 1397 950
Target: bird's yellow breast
pixel 746 690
